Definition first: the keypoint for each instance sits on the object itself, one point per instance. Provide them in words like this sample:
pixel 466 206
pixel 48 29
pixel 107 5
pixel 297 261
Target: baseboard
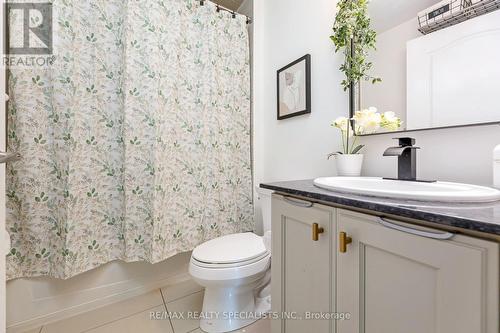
pixel 95 304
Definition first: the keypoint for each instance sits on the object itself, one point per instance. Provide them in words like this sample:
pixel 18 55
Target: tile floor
pixel 133 315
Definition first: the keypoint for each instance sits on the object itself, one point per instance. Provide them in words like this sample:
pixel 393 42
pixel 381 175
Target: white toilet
pixel 235 271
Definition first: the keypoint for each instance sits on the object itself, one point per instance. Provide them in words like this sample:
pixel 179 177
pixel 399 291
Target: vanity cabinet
pixel 387 275
pixel 412 281
pixel 303 269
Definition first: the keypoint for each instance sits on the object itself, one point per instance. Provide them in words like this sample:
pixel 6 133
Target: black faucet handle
pixel 406 142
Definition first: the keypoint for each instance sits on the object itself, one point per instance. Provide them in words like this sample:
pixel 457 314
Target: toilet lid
pixel 230 249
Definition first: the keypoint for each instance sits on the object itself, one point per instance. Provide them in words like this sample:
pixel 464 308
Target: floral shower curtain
pixel 135 142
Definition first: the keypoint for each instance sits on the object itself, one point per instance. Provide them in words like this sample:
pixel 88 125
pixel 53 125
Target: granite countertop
pixel 484 217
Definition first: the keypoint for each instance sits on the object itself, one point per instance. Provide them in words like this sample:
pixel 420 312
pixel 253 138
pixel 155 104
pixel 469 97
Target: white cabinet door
pixel 396 282
pixel 302 269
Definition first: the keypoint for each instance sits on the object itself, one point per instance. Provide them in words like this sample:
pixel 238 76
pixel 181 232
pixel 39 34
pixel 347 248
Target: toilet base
pixel 227 309
pixel 236 295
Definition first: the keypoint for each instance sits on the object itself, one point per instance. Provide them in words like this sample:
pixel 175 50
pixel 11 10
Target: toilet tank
pixel 265 204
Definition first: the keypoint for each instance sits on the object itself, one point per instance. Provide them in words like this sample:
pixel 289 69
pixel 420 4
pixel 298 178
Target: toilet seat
pixel 225 273
pixel 230 257
pixel 230 251
pixel 229 265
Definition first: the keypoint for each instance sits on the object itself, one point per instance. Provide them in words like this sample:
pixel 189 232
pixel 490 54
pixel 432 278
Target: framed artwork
pixel 294 88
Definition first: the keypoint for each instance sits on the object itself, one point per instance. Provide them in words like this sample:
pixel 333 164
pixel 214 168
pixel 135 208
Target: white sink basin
pixel 439 191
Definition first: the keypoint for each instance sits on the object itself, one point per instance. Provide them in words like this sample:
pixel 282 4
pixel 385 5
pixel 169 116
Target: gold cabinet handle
pixel 343 241
pixel 316 230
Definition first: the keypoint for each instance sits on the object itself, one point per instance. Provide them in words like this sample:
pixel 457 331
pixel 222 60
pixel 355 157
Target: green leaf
pixel 357 149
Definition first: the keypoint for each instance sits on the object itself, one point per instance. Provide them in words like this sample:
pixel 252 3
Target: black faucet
pixel 407 158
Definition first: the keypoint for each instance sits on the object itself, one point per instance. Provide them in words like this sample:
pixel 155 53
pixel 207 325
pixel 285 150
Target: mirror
pixel 438 61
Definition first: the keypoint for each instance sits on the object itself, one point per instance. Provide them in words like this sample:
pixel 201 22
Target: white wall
pixel 296 148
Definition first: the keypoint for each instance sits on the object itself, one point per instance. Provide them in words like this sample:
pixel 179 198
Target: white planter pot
pixel 349 165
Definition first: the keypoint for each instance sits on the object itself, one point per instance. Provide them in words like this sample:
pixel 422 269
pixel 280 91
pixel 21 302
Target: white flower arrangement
pixel 365 122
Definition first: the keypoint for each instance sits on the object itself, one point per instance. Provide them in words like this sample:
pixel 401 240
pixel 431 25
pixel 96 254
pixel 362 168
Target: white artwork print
pixel 291 95
pixel 293 89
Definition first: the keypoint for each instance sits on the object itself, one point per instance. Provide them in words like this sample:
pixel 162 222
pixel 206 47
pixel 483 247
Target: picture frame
pixel 294 88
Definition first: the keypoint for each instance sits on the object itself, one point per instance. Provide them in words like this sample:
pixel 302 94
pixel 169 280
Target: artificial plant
pixel 352 33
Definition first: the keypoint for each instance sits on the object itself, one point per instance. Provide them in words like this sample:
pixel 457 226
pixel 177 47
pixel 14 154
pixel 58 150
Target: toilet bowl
pixel 235 271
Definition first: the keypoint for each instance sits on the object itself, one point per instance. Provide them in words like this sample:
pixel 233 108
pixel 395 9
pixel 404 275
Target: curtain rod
pixel 232 12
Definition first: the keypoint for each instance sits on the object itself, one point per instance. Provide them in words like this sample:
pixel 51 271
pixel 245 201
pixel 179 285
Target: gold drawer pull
pixel 343 241
pixel 316 231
